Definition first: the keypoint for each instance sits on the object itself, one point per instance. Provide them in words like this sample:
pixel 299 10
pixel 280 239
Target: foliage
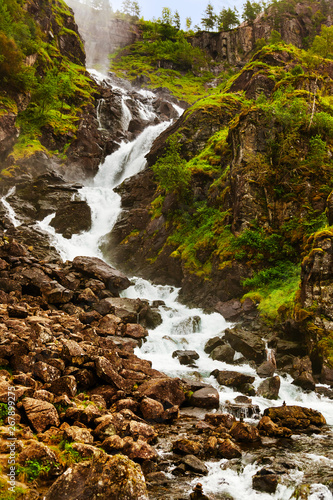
pixel 209 18
pixel 170 169
pixel 69 456
pixel 3 412
pixel 227 19
pixel 323 43
pixel 251 10
pixel 33 469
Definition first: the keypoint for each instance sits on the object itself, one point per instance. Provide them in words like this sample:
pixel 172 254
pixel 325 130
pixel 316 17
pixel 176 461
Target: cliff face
pixel 296 24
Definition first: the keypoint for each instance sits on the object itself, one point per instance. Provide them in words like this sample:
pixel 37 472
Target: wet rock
pixel 105 371
pixel 211 344
pixel 193 464
pixel 267 427
pixel 114 280
pixel 305 381
pixel 115 477
pixel 265 480
pixel 109 323
pixel 40 414
pixel 166 390
pixel 266 369
pixel 207 397
pixel 326 375
pixel 187 447
pixel 232 378
pixel 72 218
pixel 324 391
pixel 216 419
pixel 295 417
pixel 139 450
pixel 243 432
pixel 248 343
pixel 78 435
pixel 227 449
pixel 223 353
pixel 269 388
pixel 186 357
pixel 142 430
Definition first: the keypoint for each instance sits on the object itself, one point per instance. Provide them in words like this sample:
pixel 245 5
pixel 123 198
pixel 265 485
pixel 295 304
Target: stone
pixel 326 375
pixel 115 477
pixel 139 450
pixel 135 331
pixel 142 430
pixel 212 343
pixel 114 280
pixel 295 417
pixel 78 435
pixel 266 369
pixel 40 414
pixel 265 480
pixel 223 353
pixel 35 451
pixel 248 343
pixel 269 388
pixel 267 427
pixel 64 385
pixel 151 410
pixel 216 419
pixel 243 432
pixel 232 378
pixel 73 353
pixel 194 464
pixel 166 390
pixel 54 293
pixel 187 447
pixel 227 449
pixel 186 357
pixel 306 381
pixel 45 372
pixel 104 370
pixel 207 397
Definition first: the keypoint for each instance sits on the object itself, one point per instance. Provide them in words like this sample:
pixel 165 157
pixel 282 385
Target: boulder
pixel 295 417
pixel 216 419
pixel 35 451
pixel 45 372
pixel 227 449
pixel 248 343
pixel 104 369
pixel 78 435
pixel 106 477
pixel 242 409
pixel 166 390
pixel 135 331
pixel 54 293
pixel 232 378
pixel 114 280
pixel 186 357
pixel 266 369
pixel 267 427
pixel 151 410
pixel 211 344
pixel 265 480
pixel 207 397
pixel 63 385
pixel 40 414
pixel 223 353
pixel 187 446
pixel 243 432
pixel 269 388
pixel 73 353
pixel 194 464
pixel 306 381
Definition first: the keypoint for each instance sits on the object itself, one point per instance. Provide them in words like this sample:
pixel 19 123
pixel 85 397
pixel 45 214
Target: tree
pixel 251 10
pixel 188 22
pixel 171 169
pixel 227 19
pixel 126 7
pixel 323 43
pixel 176 20
pixel 209 21
pixel 166 15
pixel 136 10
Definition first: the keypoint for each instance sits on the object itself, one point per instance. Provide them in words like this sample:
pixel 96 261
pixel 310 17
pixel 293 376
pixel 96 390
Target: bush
pixel 171 170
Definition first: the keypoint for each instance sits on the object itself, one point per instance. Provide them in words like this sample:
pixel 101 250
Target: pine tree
pixel 209 21
pixel 176 20
pixel 228 19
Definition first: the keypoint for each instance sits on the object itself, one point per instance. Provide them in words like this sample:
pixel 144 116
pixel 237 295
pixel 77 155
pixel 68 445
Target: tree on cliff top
pixel 323 43
pixel 228 19
pixel 209 19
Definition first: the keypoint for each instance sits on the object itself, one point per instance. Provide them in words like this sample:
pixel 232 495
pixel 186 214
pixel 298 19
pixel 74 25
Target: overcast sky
pixel 186 8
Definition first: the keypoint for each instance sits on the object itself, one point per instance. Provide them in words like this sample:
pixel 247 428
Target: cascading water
pixel 184 328
pixel 10 212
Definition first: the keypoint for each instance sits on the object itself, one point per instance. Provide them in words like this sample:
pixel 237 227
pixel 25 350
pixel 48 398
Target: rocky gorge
pixel 110 399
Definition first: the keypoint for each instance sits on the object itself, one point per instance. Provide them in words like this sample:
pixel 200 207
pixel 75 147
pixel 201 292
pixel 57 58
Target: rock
pixel 216 419
pixel 207 397
pixel 246 410
pixel 151 410
pixel 232 378
pixel 269 388
pixel 40 414
pixel 326 375
pixel 135 331
pixel 73 353
pixel 295 417
pixel 193 464
pixel 243 432
pixel 211 344
pixel 64 385
pixel 115 477
pixel 139 450
pixel 73 218
pixel 266 369
pixel 166 390
pixel 227 449
pixel 114 280
pixel 105 371
pixel 267 427
pixel 45 372
pixel 78 435
pixel 39 452
pixel 265 480
pixel 54 293
pixel 186 357
pixel 187 446
pixel 248 343
pixel 142 430
pixel 223 353
pixel 305 381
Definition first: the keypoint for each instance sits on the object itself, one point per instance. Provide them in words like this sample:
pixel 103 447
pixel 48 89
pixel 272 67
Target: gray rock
pixel 269 388
pixel 223 353
pixel 208 397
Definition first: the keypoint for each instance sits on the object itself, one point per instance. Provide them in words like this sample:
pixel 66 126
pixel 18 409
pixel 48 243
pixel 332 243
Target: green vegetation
pixel 33 470
pixel 171 170
pixel 68 455
pixel 3 412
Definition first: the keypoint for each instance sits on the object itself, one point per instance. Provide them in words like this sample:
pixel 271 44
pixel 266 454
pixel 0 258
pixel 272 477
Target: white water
pixel 10 212
pixel 180 329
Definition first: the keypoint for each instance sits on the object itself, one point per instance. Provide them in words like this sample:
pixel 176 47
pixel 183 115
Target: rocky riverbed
pixel 89 417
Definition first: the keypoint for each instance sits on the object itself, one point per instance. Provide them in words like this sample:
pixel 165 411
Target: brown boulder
pixel 295 417
pixel 207 397
pixel 78 435
pixel 306 381
pixel 187 447
pixel 166 390
pixel 243 432
pixel 73 353
pixel 104 369
pixel 266 369
pixel 40 414
pixel 223 353
pixel 114 280
pixel 265 480
pixel 248 343
pixel 267 427
pixel 64 385
pixel 151 409
pixel 232 378
pixel 45 372
pixel 105 477
pixel 269 388
pixel 135 331
pixel 227 449
pixel 216 419
pixel 39 452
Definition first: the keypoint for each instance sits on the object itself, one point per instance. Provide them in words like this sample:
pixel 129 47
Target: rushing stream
pixel 184 328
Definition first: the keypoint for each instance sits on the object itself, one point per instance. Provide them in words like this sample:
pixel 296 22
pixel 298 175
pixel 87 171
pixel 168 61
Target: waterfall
pixel 9 210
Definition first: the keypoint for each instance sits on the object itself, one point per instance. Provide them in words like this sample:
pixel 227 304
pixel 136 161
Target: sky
pixel 186 8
